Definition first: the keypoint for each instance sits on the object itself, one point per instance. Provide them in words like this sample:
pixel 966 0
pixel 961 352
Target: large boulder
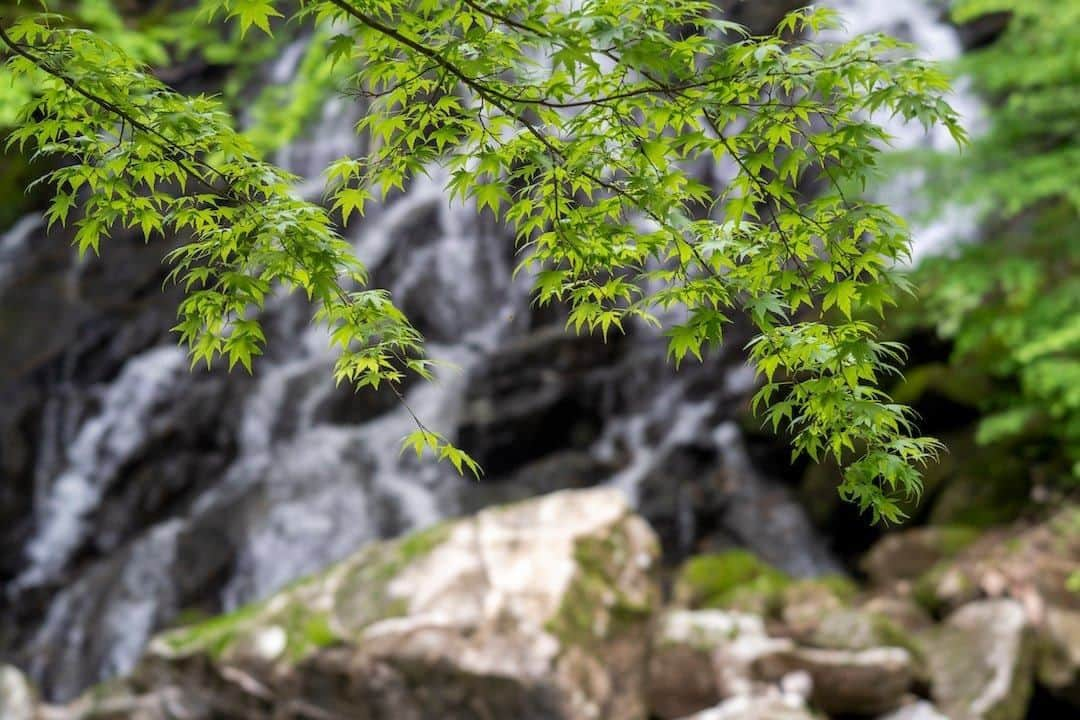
pixel 536 610
pixel 536 395
pixel 981 662
pixel 857 682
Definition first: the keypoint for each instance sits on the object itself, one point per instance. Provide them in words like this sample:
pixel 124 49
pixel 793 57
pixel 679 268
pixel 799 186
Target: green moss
pixel 362 598
pixel 213 636
pixel 843 587
pixel 735 578
pixel 594 609
pixel 419 544
pixel 893 635
pixel 925 590
pixel 954 538
pixel 306 631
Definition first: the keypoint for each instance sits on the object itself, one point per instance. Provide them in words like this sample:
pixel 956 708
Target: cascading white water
pixel 104 443
pixel 13 243
pixel 920 23
pixel 302 492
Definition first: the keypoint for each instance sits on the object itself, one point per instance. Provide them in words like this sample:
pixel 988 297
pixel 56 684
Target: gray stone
pixel 907 554
pixel 981 662
pixel 864 682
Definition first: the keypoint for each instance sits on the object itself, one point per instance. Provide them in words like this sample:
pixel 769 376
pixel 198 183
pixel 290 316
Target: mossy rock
pixel 981 662
pixel 333 606
pixel 735 579
pixel 805 602
pixel 546 604
pixel 594 609
pixel 1029 557
pixel 908 554
pixel 858 629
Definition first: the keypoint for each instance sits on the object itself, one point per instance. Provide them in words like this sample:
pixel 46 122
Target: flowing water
pixel 305 486
pixel 920 23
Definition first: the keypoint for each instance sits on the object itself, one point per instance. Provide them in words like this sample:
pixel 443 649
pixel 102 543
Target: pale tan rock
pixel 981 662
pixel 18 701
pixel 536 610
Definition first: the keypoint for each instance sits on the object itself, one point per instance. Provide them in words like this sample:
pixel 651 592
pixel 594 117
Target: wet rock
pixel 682 497
pixel 864 682
pixel 116 603
pixel 762 515
pixel 537 395
pixel 275 518
pixel 983 30
pixel 536 610
pixel 981 662
pixel 695 659
pixel 705 493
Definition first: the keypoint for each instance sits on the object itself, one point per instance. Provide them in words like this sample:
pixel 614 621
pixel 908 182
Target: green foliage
pixel 576 127
pixel 723 579
pixel 99 15
pixel 1010 303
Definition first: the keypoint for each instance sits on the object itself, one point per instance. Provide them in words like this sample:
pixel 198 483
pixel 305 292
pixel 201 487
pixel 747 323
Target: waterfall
pixel 920 23
pixel 314 473
pixel 94 457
